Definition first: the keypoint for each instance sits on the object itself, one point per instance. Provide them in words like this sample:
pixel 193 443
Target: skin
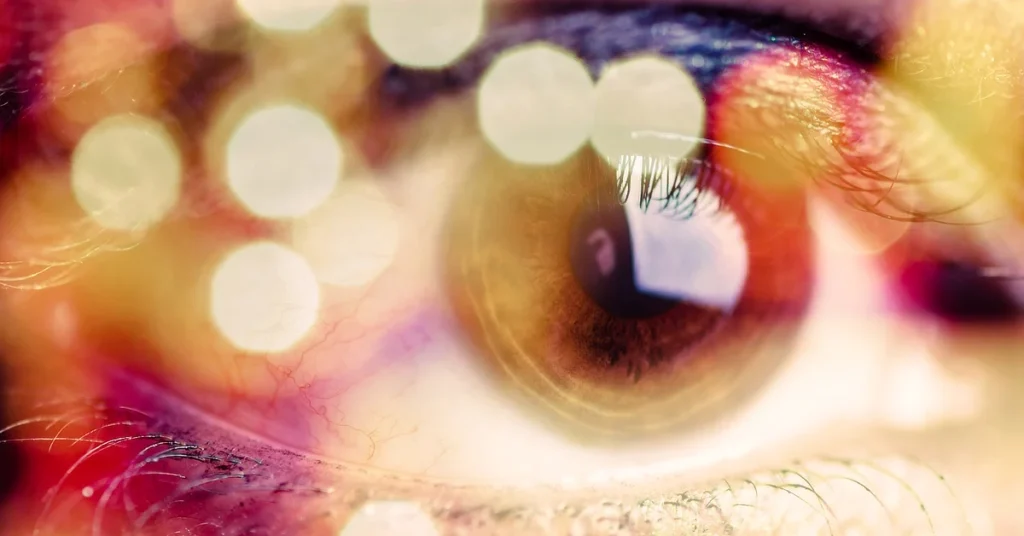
pixel 843 396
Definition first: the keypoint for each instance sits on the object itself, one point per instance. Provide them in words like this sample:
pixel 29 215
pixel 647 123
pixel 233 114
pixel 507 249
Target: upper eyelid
pixel 688 32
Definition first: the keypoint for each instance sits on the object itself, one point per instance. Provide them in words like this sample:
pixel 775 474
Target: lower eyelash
pixel 164 479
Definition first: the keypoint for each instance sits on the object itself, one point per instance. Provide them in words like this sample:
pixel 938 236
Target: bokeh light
pixel 647 106
pixel 283 161
pixel 288 15
pixel 126 172
pixel 536 104
pixel 390 518
pixel 264 298
pixel 425 34
pixel 351 238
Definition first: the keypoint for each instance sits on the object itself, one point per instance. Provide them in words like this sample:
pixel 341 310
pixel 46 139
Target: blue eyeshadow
pixel 705 42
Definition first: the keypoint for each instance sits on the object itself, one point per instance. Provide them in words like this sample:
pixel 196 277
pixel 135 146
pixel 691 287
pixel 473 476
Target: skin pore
pixel 882 421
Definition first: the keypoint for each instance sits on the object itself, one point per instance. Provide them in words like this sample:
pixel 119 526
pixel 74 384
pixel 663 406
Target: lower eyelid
pixel 258 488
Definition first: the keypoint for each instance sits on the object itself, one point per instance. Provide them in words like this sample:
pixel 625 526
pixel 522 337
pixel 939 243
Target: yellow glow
pixel 88 53
pixel 922 392
pixel 199 21
pixel 264 298
pixel 126 172
pixel 419 33
pixel 97 71
pixel 352 238
pixel 288 15
pixel 962 60
pixel 283 162
pixel 647 106
pixel 536 104
pixel 390 518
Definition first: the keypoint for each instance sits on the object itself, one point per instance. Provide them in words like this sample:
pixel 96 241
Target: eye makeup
pixel 138 461
pixel 706 42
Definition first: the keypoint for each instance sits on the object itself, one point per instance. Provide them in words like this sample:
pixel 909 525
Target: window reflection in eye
pixel 616 290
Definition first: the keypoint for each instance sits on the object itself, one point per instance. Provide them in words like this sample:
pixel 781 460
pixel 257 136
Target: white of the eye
pixel 352 238
pixel 701 259
pixel 389 518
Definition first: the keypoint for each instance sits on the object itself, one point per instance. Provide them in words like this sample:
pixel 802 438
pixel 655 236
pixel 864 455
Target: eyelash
pixel 404 89
pixel 205 486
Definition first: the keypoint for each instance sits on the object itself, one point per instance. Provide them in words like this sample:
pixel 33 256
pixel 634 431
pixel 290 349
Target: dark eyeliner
pixel 705 41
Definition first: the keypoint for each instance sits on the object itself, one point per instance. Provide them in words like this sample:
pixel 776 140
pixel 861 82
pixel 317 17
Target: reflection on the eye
pixel 391 296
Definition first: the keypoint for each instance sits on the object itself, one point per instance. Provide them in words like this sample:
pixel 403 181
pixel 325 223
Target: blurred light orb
pixel 648 106
pixel 126 172
pixel 288 15
pixel 283 161
pixel 536 104
pixel 264 298
pixel 390 518
pixel 419 33
pixel 352 238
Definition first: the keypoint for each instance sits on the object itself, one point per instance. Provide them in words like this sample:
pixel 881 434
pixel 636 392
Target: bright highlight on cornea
pixel 288 15
pixel 283 161
pixel 264 298
pixel 647 105
pixel 430 34
pixel 536 104
pixel 352 238
pixel 126 173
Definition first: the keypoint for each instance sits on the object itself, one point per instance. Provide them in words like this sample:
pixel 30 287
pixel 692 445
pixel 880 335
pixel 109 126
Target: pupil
pixel 602 260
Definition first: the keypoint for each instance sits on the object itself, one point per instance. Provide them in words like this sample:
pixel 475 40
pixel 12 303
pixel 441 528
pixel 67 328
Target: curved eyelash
pixel 866 186
pixel 233 489
pixel 680 189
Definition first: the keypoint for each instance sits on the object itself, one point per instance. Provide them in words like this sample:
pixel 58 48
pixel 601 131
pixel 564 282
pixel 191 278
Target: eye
pixel 636 269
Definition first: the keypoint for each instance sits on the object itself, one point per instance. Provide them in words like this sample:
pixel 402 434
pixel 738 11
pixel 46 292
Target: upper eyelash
pixel 669 31
pixel 863 185
pixel 709 502
pixel 677 188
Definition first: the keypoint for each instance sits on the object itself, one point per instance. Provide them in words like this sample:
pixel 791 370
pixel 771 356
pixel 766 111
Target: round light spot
pixel 264 298
pixel 647 106
pixel 352 238
pixel 425 34
pixel 390 518
pixel 288 15
pixel 283 162
pixel 126 172
pixel 536 104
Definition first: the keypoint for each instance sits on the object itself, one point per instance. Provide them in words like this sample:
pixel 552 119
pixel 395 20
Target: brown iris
pixel 591 350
